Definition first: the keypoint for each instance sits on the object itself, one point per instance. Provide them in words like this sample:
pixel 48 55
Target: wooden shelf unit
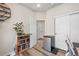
pixel 23 42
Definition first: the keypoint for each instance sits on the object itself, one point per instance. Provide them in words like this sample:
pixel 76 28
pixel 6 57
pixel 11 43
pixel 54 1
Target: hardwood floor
pixel 39 46
pixel 38 50
pixel 77 51
pixel 32 52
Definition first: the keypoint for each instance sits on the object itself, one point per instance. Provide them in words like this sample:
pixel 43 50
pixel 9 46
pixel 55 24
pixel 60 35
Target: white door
pixel 40 28
pixel 75 27
pixel 62 31
pixel 33 39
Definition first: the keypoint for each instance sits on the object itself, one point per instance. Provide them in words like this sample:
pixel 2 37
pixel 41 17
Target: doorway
pixel 40 28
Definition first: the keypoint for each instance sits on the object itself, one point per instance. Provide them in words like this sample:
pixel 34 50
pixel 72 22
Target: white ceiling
pixel 43 6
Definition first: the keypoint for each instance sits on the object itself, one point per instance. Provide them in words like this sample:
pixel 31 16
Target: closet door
pixel 61 31
pixel 74 27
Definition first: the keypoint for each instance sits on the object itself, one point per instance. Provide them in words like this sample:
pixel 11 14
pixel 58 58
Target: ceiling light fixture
pixel 52 3
pixel 38 5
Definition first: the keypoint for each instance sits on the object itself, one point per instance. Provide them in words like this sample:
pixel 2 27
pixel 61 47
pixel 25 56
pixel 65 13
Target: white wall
pixel 57 11
pixel 33 36
pixel 7 33
pixel 40 15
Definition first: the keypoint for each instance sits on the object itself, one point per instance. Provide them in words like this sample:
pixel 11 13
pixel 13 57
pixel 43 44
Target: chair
pixel 70 51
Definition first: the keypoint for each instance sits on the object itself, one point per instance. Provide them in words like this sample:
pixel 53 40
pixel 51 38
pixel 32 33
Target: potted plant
pixel 19 28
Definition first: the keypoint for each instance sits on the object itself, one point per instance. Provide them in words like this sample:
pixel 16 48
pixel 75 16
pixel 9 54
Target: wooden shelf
pixel 4 16
pixel 23 42
pixel 1 5
pixel 5 12
pixel 27 35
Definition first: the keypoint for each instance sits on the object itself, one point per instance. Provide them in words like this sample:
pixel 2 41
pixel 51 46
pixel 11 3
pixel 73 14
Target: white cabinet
pixel 66 26
pixel 47 44
pixel 74 27
pixel 62 31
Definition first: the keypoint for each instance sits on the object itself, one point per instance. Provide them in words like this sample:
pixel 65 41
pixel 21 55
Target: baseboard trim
pixel 12 53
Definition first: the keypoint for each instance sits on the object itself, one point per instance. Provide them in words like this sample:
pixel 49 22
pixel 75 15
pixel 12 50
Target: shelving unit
pixel 23 42
pixel 5 12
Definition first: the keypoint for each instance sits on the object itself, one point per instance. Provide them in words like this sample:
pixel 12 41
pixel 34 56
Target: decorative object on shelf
pixel 5 12
pixel 19 28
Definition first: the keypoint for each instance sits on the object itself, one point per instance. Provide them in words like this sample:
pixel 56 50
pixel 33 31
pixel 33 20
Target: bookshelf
pixel 23 42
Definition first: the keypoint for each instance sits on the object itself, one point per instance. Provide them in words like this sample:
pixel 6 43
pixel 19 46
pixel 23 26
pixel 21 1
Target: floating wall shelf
pixel 5 12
